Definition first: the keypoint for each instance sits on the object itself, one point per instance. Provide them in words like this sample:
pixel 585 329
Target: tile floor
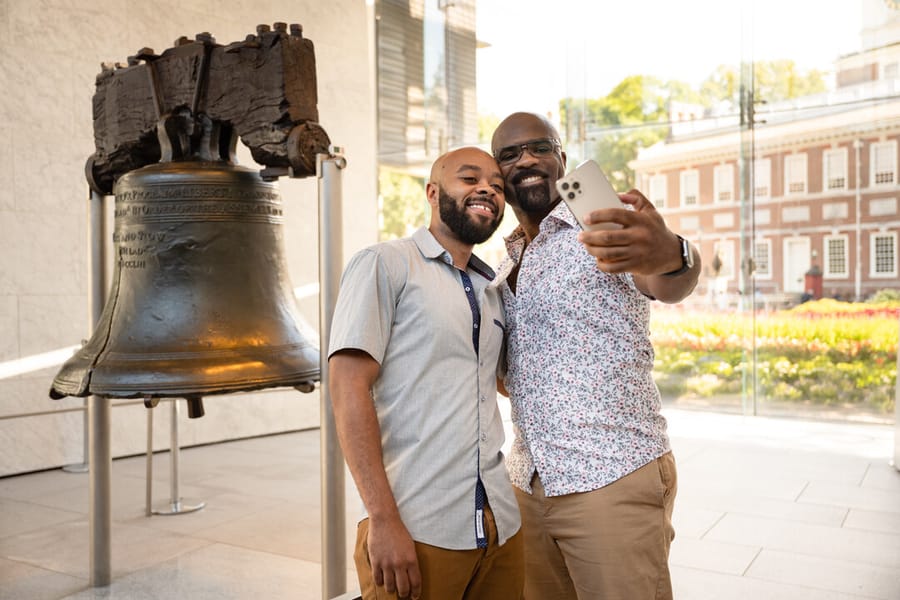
pixel 767 509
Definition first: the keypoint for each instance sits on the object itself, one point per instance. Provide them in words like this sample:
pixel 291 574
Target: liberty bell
pixel 200 301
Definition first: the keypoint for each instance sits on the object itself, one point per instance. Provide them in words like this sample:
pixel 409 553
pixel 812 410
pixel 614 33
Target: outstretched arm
pixel 392 553
pixel 644 247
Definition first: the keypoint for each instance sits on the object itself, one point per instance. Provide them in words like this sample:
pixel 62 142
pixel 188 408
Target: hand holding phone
pixel 587 189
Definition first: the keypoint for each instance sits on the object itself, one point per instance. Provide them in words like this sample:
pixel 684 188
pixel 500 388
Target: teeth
pixel 482 207
pixel 530 179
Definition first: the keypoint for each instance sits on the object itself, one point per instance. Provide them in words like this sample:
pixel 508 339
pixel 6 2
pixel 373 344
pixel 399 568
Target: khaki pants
pixel 492 573
pixel 607 544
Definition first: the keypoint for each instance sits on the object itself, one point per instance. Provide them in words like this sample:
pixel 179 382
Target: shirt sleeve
pixel 365 306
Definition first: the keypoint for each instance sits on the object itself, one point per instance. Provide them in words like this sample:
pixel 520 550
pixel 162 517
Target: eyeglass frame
pixel 524 146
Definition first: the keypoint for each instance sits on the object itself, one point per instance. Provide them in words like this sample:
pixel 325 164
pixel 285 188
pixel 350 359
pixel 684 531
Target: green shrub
pixel 823 352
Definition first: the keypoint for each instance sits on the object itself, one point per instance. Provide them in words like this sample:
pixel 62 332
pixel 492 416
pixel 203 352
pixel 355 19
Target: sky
pixel 541 51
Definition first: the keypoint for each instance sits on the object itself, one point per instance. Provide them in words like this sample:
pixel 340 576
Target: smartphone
pixel 585 190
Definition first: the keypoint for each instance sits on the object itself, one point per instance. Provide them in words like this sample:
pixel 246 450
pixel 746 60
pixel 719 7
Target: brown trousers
pixel 607 544
pixel 496 572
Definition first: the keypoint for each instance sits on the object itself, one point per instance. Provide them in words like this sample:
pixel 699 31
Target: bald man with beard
pixel 415 344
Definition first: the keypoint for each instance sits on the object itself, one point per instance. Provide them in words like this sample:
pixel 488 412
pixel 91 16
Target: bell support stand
pixel 334 539
pixel 176 505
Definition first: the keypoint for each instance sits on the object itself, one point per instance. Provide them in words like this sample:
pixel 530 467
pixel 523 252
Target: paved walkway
pixel 767 509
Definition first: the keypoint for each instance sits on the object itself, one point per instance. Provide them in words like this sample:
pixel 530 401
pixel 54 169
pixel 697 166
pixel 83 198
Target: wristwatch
pixel 687 258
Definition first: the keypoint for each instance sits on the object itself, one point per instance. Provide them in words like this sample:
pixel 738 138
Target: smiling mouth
pixel 530 179
pixel 481 207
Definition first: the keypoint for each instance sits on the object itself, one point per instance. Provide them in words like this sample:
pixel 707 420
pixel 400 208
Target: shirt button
pixel 483 437
pixel 468 289
pixel 475 325
pixel 482 398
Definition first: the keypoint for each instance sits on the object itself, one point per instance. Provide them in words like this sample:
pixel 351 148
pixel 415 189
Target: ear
pixel 431 193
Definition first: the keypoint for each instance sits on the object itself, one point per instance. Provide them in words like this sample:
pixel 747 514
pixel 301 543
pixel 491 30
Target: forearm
pixel 668 288
pixel 356 422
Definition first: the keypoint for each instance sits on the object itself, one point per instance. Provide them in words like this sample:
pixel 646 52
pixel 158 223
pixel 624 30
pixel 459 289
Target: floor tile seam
pixel 843 561
pixel 768 581
pixel 42 567
pixel 37 528
pixel 775 547
pixel 261 551
pixel 822 503
pixel 789 521
pixel 79 514
pixel 793 520
pixel 855 596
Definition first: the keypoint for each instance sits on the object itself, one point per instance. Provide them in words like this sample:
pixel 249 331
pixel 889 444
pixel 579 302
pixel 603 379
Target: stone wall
pixel 50 54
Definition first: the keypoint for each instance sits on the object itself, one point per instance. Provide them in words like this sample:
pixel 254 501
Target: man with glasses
pixel 415 345
pixel 591 461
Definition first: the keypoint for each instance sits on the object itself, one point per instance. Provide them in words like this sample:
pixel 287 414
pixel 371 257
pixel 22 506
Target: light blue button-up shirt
pixel 404 304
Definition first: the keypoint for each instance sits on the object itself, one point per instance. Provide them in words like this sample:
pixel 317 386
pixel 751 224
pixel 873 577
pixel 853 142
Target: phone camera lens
pixel 565 186
pixel 571 195
pixel 575 186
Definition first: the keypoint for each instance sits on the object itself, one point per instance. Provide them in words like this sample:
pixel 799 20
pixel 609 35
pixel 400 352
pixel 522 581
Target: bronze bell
pixel 200 301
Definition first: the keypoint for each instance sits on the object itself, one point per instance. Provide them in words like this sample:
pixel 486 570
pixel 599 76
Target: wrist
pixel 687 258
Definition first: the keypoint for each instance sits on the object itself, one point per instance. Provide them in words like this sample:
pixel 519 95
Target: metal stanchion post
pixel 96 298
pixel 334 551
pixel 177 505
pixel 99 448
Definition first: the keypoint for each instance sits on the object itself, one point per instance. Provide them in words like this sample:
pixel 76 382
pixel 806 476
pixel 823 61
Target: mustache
pixel 519 176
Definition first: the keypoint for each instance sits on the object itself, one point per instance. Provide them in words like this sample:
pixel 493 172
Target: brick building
pixel 811 187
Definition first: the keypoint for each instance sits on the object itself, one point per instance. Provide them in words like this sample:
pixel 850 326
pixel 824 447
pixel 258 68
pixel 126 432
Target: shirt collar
pixel 432 249
pixel 557 218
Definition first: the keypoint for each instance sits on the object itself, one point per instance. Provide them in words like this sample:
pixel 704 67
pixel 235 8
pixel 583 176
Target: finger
pixel 390 585
pixel 415 582
pixel 402 583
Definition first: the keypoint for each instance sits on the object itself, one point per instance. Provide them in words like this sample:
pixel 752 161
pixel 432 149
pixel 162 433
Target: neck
pixel 459 251
pixel 531 221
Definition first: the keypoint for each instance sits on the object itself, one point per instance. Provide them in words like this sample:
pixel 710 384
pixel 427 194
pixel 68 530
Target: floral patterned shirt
pixel 585 408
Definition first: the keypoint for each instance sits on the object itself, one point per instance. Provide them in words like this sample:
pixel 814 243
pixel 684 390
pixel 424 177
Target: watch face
pixel 687 257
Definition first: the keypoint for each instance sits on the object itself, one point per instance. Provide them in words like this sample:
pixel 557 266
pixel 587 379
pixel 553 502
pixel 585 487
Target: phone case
pixel 585 190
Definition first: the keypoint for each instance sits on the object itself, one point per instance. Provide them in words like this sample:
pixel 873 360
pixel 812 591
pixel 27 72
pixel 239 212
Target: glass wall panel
pixel 765 132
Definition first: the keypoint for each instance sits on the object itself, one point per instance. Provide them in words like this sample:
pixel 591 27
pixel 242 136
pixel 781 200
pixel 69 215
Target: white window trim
pixel 692 173
pixel 827 175
pixel 727 256
pixel 726 170
pixel 762 166
pixel 792 163
pixel 656 183
pixel 872 238
pixel 892 145
pixel 768 243
pixel 826 257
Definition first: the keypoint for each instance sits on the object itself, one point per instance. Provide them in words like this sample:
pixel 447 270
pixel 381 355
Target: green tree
pixel 403 204
pixel 635 114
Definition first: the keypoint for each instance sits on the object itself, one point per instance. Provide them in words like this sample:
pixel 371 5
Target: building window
pixel 724 249
pixel 834 169
pixel 836 257
pixel 795 174
pixel 724 183
pixel 658 190
pixel 762 177
pixel 762 251
pixel 690 188
pixel 884 254
pixel 884 163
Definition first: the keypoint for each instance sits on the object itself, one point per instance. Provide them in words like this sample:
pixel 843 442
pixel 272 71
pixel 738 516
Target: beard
pixel 531 198
pixel 468 229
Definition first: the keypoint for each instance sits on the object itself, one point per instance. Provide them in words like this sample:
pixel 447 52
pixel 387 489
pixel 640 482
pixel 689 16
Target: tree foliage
pixel 403 204
pixel 635 113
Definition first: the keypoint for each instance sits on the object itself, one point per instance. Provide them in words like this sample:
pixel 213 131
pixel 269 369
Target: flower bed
pixel 824 352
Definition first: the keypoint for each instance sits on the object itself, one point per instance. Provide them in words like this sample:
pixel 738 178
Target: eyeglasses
pixel 537 148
